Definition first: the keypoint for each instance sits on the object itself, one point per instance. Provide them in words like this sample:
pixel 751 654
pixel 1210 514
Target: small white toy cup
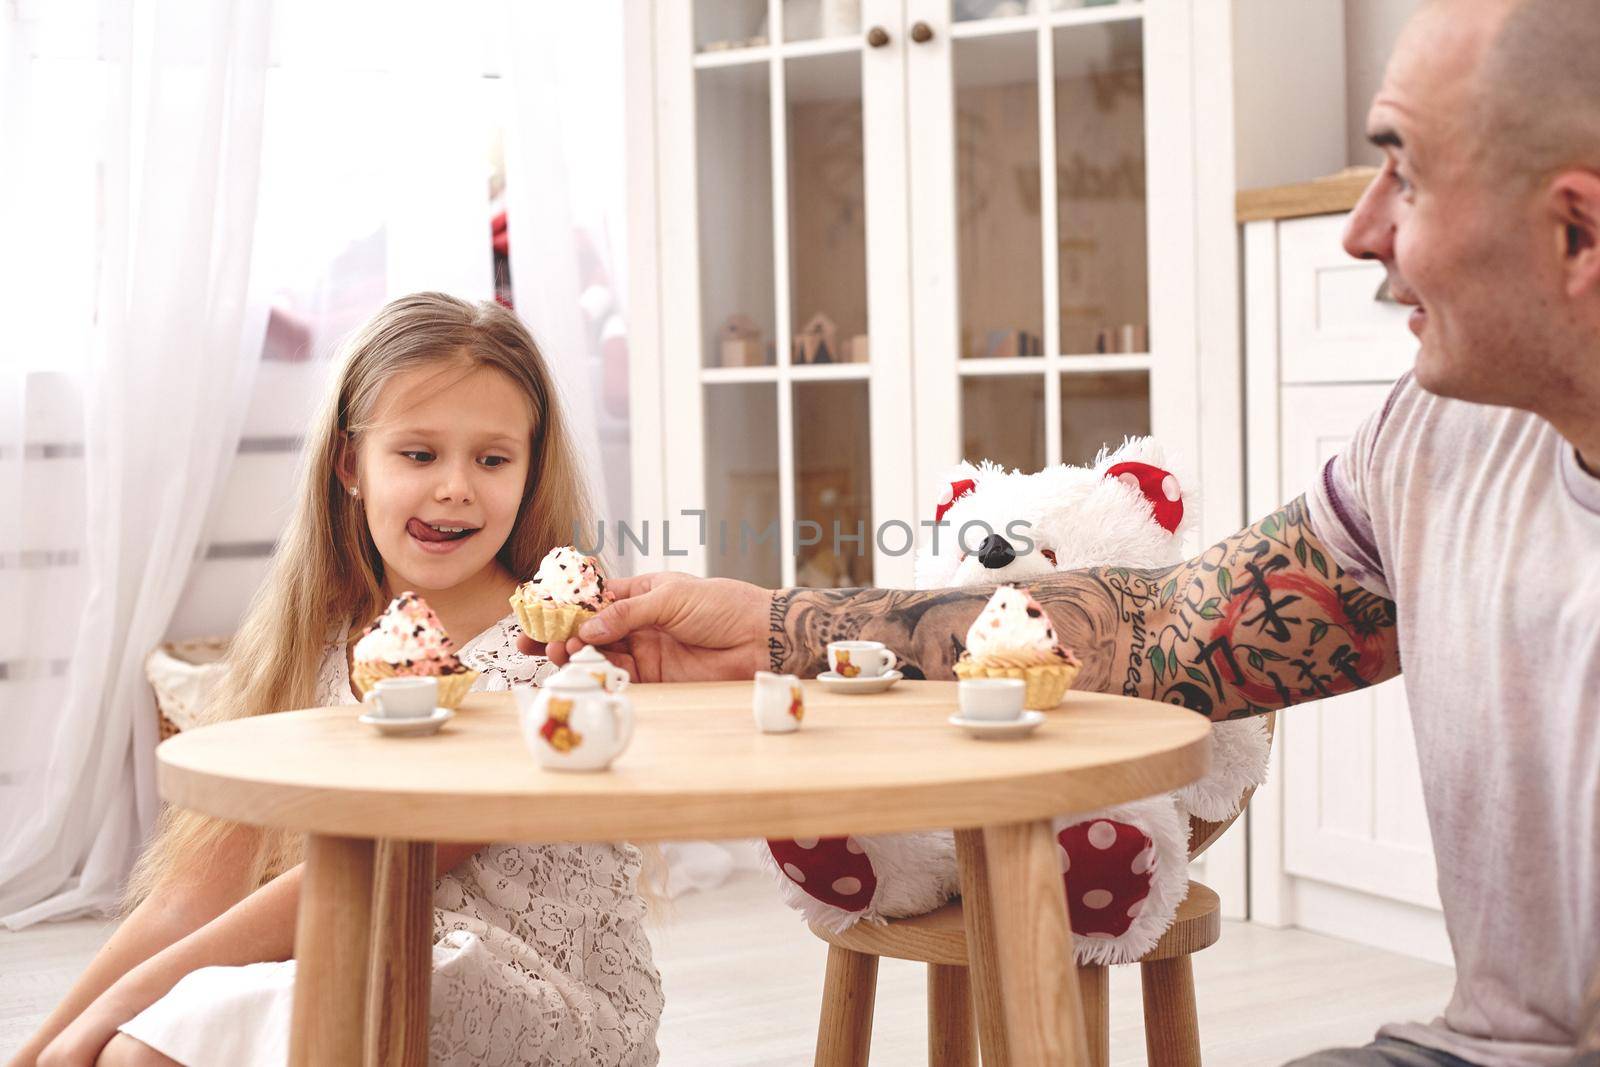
pixel 404 697
pixel 991 699
pixel 778 703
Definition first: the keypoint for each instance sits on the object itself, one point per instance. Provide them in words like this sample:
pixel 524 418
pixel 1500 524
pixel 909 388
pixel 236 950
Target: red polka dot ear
pixel 1158 486
pixel 957 490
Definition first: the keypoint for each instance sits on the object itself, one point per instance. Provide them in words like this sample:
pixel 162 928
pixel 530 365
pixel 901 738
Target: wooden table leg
pixel 331 940
pixel 1025 981
pixel 401 976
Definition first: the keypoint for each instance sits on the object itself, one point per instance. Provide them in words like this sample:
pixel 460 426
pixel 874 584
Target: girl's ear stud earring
pixel 355 491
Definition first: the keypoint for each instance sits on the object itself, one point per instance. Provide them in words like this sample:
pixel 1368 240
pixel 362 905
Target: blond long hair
pixel 326 573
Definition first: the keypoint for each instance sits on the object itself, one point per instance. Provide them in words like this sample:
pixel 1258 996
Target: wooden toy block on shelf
pixel 817 341
pixel 1004 344
pixel 740 342
pixel 1130 337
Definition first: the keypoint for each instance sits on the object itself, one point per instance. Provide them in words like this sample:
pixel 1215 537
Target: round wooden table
pixel 373 807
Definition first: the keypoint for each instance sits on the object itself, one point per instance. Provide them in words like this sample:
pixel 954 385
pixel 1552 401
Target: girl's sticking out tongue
pixel 423 532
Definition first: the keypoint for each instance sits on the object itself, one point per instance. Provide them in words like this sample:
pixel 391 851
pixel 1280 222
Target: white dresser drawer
pixel 1333 327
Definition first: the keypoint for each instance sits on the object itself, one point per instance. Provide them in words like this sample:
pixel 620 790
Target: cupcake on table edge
pixel 408 640
pixel 566 591
pixel 1013 638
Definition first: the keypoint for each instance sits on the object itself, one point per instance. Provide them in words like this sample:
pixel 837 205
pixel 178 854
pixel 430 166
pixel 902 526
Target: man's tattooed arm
pixel 1257 622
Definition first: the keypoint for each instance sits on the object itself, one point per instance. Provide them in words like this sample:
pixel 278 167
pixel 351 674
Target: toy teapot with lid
pixel 612 679
pixel 573 723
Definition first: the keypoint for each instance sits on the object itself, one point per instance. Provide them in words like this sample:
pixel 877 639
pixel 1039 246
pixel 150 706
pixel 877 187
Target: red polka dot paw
pixel 833 870
pixel 1107 868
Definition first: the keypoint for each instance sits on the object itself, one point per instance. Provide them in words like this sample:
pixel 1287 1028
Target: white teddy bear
pixel 1125 867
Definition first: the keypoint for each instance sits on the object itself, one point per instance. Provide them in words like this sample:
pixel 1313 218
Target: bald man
pixel 1459 533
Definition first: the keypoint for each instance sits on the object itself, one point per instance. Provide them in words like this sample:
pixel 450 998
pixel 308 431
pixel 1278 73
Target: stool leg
pixel 1171 1026
pixel 952 1041
pixel 977 915
pixel 1094 986
pixel 844 1036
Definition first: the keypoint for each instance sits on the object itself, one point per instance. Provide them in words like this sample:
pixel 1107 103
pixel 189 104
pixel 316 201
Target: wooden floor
pixel 744 980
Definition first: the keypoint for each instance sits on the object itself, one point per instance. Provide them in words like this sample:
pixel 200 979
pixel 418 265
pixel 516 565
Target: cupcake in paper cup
pixel 407 640
pixel 566 591
pixel 1013 638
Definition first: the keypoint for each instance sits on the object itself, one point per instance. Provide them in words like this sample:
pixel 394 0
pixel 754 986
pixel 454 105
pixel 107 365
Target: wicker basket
pixel 181 673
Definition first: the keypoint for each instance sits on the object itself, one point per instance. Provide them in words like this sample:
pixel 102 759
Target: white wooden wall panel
pixel 1353 813
pixel 215 597
pixel 286 394
pixel 53 495
pixel 1334 330
pixel 257 498
pixel 1339 838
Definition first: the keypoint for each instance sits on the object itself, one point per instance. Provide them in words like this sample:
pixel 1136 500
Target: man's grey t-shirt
pixel 1482 526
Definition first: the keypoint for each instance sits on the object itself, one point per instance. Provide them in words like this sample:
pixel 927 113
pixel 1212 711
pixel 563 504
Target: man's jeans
pixel 1384 1052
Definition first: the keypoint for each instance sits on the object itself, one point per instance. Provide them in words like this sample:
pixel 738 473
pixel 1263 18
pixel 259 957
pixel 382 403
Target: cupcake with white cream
pixel 408 640
pixel 567 590
pixel 1013 638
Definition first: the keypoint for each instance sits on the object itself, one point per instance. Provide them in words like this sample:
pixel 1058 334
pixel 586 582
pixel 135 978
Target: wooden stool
pixel 939 939
pixel 1172 1034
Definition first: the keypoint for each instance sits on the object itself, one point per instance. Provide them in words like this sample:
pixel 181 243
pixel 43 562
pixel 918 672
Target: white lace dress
pixel 539 951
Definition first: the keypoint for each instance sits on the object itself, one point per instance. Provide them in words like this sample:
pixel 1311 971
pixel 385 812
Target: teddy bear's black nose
pixel 995 552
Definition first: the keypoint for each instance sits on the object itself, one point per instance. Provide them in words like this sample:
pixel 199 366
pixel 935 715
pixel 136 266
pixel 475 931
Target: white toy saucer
pixel 1000 729
pixel 413 727
pixel 835 682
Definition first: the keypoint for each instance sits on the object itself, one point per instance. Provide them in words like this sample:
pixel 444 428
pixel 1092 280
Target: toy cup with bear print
pixel 860 659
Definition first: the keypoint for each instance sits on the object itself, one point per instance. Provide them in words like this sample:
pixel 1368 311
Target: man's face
pixel 1457 240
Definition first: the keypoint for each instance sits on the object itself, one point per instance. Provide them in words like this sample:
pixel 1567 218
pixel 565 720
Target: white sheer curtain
pixel 565 149
pixel 135 135
pixel 566 167
pixel 131 131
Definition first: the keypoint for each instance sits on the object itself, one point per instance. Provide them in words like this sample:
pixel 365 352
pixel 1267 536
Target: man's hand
pixel 669 627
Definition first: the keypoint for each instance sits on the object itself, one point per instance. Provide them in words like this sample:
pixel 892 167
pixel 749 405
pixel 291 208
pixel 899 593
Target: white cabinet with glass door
pixel 893 235
pixel 784 312
pixel 882 236
pixel 1038 168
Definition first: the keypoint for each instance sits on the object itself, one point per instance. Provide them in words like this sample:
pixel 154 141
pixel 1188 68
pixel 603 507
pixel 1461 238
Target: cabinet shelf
pixel 732 57
pixel 1088 364
pixel 1078 16
pixel 820 372
pixel 737 57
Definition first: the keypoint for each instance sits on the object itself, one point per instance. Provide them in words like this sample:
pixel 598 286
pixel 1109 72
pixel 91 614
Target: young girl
pixel 444 415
